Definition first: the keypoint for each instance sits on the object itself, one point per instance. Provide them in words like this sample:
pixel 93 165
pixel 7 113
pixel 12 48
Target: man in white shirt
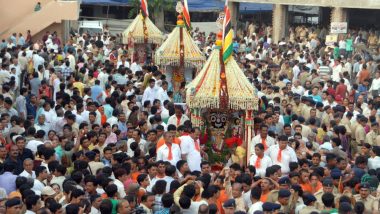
pixel 282 154
pixel 135 67
pixel 33 144
pixel 337 71
pixel 178 118
pixel 151 92
pixel 190 148
pixel 263 138
pixel 169 151
pixel 257 205
pixel 260 160
pixel 163 92
pixel 120 177
pixel 296 70
pixel 28 169
pixel 41 176
pixel 136 137
pixel 374 161
pixel 122 62
pixel 297 87
pixel 41 124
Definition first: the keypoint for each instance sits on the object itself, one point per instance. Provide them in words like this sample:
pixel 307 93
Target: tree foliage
pixel 154 6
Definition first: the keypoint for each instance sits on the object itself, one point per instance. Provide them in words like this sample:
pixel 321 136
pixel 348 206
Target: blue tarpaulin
pixel 255 7
pixel 205 5
pixel 194 5
pixel 106 2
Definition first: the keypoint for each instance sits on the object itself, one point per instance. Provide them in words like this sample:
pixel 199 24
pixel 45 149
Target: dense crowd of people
pixel 85 130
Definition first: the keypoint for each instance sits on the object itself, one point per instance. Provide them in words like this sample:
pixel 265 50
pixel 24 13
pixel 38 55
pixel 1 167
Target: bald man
pixel 28 169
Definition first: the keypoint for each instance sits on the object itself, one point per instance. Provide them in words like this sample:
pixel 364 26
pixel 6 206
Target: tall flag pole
pixel 144 7
pixel 186 14
pixel 227 34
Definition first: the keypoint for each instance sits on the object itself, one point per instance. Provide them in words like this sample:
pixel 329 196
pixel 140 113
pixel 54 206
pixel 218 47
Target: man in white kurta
pixel 190 150
pixel 178 118
pixel 150 93
pixel 282 154
pixel 260 160
pixel 169 151
pixel 262 138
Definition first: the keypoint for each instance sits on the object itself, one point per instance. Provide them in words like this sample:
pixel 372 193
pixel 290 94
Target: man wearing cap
pixel 13 206
pixel 47 192
pixel 283 200
pixel 229 206
pixel 327 187
pixel 282 154
pixel 309 200
pixel 370 203
pixel 284 184
pixel 271 208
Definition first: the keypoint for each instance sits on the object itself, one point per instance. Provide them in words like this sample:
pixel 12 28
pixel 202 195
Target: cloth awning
pixel 106 2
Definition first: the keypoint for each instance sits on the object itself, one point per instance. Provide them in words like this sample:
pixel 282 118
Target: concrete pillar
pixel 279 22
pixel 338 14
pixel 234 10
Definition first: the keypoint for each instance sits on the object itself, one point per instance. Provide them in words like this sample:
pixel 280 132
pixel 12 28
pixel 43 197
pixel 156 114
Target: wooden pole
pixel 223 96
pixel 145 39
pixel 181 51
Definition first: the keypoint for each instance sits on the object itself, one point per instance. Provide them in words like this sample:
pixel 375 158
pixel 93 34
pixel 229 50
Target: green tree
pixel 156 10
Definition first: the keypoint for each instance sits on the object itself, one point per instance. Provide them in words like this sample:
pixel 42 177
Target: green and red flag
pixel 227 34
pixel 186 14
pixel 144 7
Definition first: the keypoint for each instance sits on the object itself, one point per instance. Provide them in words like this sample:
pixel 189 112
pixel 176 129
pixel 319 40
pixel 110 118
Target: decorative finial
pixel 219 38
pixel 180 20
pixel 219 21
pixel 179 7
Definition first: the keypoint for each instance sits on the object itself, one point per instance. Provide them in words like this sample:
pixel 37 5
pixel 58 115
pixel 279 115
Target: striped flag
pixel 144 7
pixel 227 34
pixel 186 14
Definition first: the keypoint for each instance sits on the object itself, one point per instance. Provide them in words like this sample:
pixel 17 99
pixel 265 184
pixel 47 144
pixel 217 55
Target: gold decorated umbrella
pixel 142 30
pixel 179 49
pixel 205 90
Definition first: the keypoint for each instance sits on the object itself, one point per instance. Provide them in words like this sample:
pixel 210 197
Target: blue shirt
pixel 96 91
pixel 163 211
pixel 362 88
pixel 108 110
pixel 30 108
pixel 316 98
pixel 122 127
pixel 8 182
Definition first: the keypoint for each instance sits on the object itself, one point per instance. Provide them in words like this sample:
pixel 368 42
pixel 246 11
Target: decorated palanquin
pixel 222 101
pixel 179 55
pixel 142 38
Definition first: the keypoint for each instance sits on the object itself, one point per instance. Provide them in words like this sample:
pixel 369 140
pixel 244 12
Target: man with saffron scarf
pixel 262 138
pixel 260 160
pixel 282 154
pixel 169 151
